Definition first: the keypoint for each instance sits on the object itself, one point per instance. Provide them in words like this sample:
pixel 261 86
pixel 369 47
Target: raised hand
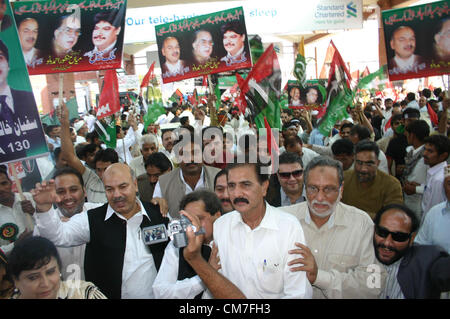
pixel 44 195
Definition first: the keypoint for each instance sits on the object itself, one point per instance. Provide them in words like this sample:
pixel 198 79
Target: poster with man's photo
pixel 312 95
pixel 203 45
pixel 417 40
pixel 21 133
pixel 71 35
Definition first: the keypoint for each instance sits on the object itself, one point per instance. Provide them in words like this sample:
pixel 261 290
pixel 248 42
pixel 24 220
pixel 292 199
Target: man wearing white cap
pixel 81 129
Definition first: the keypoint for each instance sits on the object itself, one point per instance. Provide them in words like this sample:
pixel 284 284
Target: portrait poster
pixel 21 133
pixel 72 35
pixel 312 95
pixel 203 45
pixel 417 40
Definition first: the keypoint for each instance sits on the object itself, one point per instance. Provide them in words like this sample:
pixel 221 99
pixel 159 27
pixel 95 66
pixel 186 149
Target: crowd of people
pixel 361 213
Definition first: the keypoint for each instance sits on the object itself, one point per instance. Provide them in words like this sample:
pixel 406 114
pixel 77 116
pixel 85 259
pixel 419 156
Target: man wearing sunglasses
pixel 339 258
pixel 286 187
pixel 414 271
pixel 366 186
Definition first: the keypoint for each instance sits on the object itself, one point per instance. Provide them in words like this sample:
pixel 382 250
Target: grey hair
pixel 149 139
pixel 321 161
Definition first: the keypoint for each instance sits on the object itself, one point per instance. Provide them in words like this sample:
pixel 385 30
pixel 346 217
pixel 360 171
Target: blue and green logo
pixel 351 10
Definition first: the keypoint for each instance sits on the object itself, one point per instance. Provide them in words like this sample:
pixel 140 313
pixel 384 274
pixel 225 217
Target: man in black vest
pixel 176 278
pixel 116 258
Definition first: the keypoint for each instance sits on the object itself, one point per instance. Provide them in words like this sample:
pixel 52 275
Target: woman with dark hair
pixel 34 266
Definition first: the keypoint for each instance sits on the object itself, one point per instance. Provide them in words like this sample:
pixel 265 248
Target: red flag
pixel 432 114
pixel 366 72
pixel 239 100
pixel 109 102
pixel 205 81
pixel 326 64
pixel 388 125
pixel 149 76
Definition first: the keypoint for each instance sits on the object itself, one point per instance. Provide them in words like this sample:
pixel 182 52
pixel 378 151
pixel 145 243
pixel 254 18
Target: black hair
pixel 411 112
pixel 92 136
pixel 362 132
pixel 4 49
pixel 370 146
pixel 415 223
pixel 106 155
pixel 234 26
pixel 258 168
pixel 158 160
pixel 49 128
pixel 31 253
pixel 426 92
pixel 68 171
pixel 411 96
pixel 184 120
pixel 345 125
pixel 209 199
pixel 292 140
pixel 440 142
pixel 4 170
pixel 220 173
pixel 396 117
pixel 342 146
pixel 419 128
pixel 290 158
pixel 111 16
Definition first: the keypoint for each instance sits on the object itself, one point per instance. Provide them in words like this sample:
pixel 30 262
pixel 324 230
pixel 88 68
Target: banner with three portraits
pixel 206 44
pixel 417 40
pixel 71 35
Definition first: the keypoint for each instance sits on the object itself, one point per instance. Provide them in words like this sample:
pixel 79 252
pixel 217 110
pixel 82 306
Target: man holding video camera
pixel 117 260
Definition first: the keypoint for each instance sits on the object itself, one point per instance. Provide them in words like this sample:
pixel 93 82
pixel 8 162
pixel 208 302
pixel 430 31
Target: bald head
pixel 121 188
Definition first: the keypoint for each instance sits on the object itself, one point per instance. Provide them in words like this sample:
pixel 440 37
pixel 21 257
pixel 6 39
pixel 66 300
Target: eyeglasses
pixel 70 31
pixel 327 190
pixel 286 175
pixel 396 236
pixel 368 163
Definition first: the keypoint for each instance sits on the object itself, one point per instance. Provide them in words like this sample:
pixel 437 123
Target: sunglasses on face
pixel 287 175
pixel 396 236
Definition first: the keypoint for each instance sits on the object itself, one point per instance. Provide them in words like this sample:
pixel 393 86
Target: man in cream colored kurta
pixel 339 257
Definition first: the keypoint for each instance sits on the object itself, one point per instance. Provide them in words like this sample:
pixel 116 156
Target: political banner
pixel 71 35
pixel 312 95
pixel 21 133
pixel 417 40
pixel 203 45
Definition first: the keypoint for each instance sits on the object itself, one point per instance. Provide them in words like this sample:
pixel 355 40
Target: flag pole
pixel 21 195
pixel 212 107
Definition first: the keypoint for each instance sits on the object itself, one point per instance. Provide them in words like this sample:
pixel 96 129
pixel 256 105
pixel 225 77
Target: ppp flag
pixel 261 90
pixel 339 94
pixel 109 102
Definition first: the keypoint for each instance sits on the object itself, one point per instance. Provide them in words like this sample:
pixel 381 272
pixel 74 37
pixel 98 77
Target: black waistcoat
pixel 103 263
pixel 185 270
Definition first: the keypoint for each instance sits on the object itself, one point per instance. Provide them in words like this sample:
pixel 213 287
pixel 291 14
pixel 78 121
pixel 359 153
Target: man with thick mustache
pixel 191 174
pixel 366 186
pixel 174 65
pixel 414 271
pixel 253 241
pixel 221 190
pixel 28 32
pixel 403 42
pixel 116 258
pixel 234 42
pixel 339 258
pixel 71 193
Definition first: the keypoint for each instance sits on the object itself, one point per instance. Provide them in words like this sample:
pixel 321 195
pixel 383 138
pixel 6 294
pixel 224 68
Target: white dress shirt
pixel 15 215
pixel 343 250
pixel 131 138
pixel 256 260
pixel 166 285
pixel 434 189
pixel 418 175
pixel 139 270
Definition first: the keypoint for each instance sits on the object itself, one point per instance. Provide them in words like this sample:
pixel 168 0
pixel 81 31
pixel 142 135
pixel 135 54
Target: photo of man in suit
pixel 233 42
pixel 66 35
pixel 203 46
pixel 403 42
pixel 28 30
pixel 104 36
pixel 19 117
pixel 174 65
pixel 5 20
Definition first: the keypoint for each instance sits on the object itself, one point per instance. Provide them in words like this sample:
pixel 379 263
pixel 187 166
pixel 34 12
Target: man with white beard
pixel 339 260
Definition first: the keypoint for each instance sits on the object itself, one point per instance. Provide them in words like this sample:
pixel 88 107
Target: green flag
pixel 106 129
pixel 300 65
pixel 374 81
pixel 256 48
pixel 154 110
pixel 218 96
pixel 73 108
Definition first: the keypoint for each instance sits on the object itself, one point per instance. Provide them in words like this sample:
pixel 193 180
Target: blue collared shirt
pixel 435 229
